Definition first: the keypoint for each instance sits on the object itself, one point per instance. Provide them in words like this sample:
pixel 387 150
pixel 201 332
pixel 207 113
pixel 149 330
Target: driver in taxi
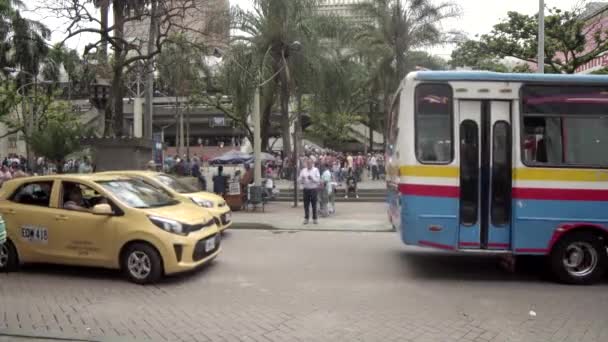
pixel 75 201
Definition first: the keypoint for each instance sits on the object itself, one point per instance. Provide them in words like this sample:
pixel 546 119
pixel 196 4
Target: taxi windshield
pixel 137 194
pixel 175 184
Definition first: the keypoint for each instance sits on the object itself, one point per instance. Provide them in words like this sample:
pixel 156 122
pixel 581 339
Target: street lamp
pixel 99 93
pixel 257 138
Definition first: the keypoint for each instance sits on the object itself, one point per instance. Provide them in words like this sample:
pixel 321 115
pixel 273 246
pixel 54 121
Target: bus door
pixel 485 175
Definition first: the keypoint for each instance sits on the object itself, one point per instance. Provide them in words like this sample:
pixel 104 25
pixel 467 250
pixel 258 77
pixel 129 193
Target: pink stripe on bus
pixel 560 194
pixel 430 190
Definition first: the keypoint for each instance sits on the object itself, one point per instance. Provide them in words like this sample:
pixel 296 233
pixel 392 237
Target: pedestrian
pixel 309 178
pixel 196 173
pixel 328 182
pixel 85 166
pixel 219 182
pixel 151 166
pixel 351 183
pixel 5 174
pixel 373 163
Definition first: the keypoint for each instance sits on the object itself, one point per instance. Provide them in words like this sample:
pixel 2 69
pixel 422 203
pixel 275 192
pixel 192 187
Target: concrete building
pixel 342 8
pixel 204 21
pixel 596 17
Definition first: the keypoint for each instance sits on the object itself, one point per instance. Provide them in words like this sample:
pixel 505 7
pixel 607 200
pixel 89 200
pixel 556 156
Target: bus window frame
pixel 451 116
pixel 522 126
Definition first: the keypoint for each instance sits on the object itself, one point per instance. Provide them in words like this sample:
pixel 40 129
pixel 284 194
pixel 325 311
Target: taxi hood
pixel 206 196
pixel 183 212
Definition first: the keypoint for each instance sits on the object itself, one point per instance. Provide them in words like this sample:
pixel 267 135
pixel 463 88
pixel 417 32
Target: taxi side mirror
pixel 102 209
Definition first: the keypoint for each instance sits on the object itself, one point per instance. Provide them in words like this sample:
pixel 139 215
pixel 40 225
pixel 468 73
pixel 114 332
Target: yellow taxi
pixel 104 221
pixel 212 203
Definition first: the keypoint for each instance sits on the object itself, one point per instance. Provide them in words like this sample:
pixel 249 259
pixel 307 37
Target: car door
pixel 27 214
pixel 83 238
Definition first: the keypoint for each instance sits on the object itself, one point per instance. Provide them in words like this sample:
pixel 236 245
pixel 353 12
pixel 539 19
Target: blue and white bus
pixel 504 163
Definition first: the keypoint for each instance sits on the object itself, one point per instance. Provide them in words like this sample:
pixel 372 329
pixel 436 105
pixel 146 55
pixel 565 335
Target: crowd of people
pixel 339 164
pixel 323 173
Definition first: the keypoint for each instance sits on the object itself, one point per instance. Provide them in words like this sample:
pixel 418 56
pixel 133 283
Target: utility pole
pixel 257 139
pixel 296 150
pixel 149 70
pixel 541 36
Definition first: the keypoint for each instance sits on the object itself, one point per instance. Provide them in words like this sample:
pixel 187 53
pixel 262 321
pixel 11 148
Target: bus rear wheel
pixel 579 258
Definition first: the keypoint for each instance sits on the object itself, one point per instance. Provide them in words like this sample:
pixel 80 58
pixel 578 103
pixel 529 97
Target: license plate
pixel 35 234
pixel 210 245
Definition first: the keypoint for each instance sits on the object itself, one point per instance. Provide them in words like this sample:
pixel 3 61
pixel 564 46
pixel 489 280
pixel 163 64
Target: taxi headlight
pixel 203 203
pixel 168 225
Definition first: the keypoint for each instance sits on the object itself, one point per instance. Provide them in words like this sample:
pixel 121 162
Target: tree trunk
pixel 370 123
pixel 266 116
pixel 104 9
pixel 387 115
pixel 177 127
pixel 116 113
pixel 117 80
pixel 285 124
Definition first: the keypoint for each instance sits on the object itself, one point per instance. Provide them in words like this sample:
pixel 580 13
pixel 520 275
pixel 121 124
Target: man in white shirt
pixel 373 163
pixel 310 179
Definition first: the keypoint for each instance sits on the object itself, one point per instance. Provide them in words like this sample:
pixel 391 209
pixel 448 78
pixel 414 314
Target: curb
pixel 263 226
pixel 32 335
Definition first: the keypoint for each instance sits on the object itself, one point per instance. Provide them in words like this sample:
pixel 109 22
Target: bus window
pixel 469 171
pixel 565 126
pixel 393 129
pixel 501 174
pixel 434 123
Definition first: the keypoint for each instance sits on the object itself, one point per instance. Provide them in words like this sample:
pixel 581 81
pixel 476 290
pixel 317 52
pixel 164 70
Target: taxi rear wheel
pixel 9 261
pixel 142 264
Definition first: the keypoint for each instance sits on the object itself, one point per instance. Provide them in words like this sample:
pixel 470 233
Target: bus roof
pixel 512 77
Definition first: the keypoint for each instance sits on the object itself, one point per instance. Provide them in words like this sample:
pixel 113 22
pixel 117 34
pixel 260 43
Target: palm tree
pixel 23 37
pixel 270 30
pixel 395 28
pixel 104 6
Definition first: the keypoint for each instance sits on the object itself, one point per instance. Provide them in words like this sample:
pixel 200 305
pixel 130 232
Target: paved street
pixel 308 286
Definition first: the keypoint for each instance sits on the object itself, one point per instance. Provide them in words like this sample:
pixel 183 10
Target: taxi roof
pixel 129 172
pixel 91 177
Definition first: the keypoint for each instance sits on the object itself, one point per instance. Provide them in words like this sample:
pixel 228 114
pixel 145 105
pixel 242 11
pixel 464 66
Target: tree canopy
pixel 570 42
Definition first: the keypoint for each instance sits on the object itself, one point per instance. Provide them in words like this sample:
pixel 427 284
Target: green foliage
pixel 474 54
pixel 179 64
pixel 59 134
pixel 566 42
pixel 421 59
pixel 397 28
pixel 332 129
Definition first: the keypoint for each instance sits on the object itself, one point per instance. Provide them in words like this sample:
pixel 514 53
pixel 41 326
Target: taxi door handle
pixel 61 218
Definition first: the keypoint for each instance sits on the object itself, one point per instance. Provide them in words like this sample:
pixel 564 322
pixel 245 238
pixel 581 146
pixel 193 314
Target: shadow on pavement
pixel 446 266
pixel 91 273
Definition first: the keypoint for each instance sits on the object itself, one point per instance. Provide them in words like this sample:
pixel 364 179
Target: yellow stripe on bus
pixel 430 171
pixel 522 174
pixel 564 175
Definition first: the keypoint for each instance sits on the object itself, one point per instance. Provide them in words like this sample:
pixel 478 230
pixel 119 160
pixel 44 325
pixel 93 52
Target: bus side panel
pixel 537 219
pixel 430 221
pixel 394 206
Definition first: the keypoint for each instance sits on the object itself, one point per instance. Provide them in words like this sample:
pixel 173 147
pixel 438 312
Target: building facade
pixel 342 8
pixel 596 17
pixel 202 21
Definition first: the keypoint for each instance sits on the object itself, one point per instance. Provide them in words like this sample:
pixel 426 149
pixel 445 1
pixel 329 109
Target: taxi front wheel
pixel 141 263
pixel 9 261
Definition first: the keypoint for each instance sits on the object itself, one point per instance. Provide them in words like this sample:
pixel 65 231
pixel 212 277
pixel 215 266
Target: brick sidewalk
pixel 283 286
pixel 363 217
